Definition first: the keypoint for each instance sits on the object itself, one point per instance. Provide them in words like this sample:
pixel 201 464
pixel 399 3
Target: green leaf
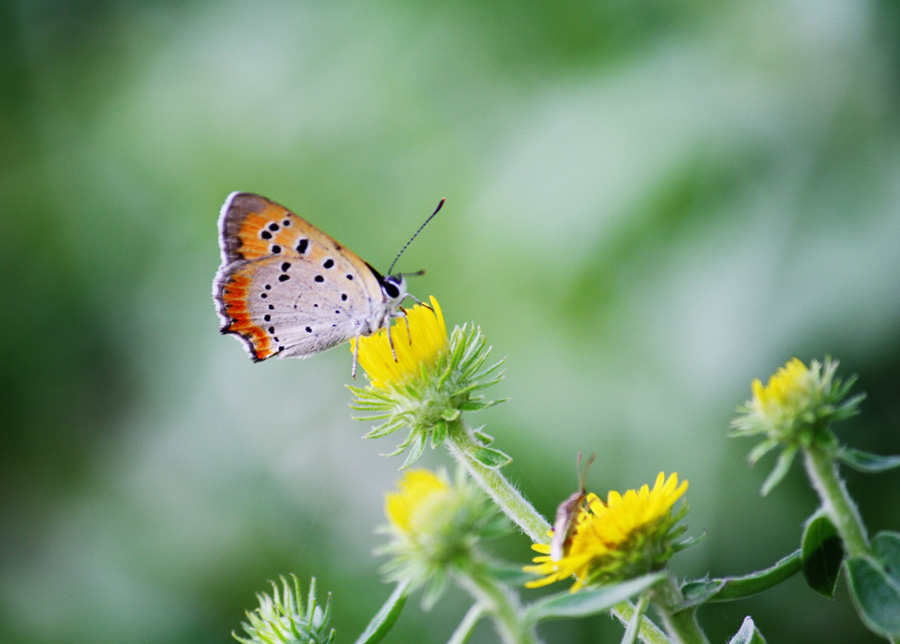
pixel 490 457
pixel 700 591
pixel 415 450
pixel 731 588
pixel 437 584
pixel 587 602
pixel 886 549
pixel 484 439
pixel 747 634
pixel 464 630
pixel 875 584
pixel 866 462
pixel 438 433
pixel 372 419
pixel 634 624
pixel 385 618
pixel 822 554
pixel 761 449
pixel 402 446
pixel 781 469
pixel 876 594
pixel 385 429
pixel 476 404
pixel 689 542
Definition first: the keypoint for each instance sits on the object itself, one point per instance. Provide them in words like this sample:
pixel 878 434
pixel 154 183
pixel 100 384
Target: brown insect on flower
pixel 567 512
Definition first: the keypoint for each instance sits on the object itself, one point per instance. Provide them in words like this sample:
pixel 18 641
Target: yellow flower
pixel 797 404
pixel 784 398
pixel 419 338
pixel 418 492
pixel 789 383
pixel 794 411
pixel 432 381
pixel 627 536
pixel 435 525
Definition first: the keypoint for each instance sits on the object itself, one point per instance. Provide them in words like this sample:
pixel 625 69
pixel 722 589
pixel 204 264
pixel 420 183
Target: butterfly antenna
pixel 416 234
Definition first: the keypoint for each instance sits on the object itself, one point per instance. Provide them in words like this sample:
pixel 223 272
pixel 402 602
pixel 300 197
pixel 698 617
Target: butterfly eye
pixel 392 286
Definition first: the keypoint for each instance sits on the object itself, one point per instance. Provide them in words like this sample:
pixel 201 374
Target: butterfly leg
pixel 391 342
pixel 420 302
pixel 406 319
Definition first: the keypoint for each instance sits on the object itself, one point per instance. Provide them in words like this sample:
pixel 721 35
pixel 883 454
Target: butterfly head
pixel 394 289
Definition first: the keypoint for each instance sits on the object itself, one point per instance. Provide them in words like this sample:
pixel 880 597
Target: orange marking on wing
pixel 263 234
pixel 287 237
pixel 252 245
pixel 234 298
pixel 262 346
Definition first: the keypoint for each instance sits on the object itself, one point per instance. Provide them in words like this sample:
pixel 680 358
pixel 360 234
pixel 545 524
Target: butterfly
pixel 287 289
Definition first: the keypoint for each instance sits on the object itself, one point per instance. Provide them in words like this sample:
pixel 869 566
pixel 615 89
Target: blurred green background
pixel 648 205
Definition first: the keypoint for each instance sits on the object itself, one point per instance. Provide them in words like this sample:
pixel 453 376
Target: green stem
pixel 822 469
pixel 502 605
pixel 682 624
pixel 648 632
pixel 462 445
pixel 464 630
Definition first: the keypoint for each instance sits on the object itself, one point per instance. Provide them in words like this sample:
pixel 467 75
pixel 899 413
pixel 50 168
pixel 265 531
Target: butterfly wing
pixel 286 288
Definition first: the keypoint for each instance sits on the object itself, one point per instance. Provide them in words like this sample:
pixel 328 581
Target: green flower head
pixel 281 618
pixel 421 378
pixel 795 410
pixel 434 526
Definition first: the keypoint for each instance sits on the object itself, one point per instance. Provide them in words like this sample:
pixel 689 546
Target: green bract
pixel 281 619
pixel 426 401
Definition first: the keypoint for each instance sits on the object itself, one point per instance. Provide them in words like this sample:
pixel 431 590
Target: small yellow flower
pixel 432 381
pixel 789 383
pixel 417 494
pixel 419 338
pixel 627 536
pixel 784 398
pixel 794 411
pixel 435 525
pixel 797 404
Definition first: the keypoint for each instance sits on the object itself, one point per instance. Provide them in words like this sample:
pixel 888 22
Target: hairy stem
pixel 462 445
